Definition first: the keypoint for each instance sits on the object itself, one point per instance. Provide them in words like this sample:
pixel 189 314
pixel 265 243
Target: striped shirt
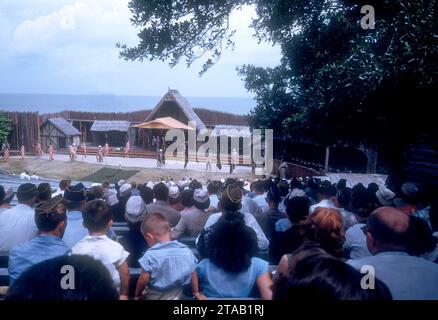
pixel 170 265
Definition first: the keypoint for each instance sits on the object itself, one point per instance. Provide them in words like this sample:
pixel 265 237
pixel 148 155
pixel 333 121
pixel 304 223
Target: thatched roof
pixel 182 103
pixel 105 126
pixel 64 127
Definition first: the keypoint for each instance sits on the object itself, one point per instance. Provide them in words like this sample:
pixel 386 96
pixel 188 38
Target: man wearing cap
pixel 17 224
pixel 133 241
pixel 161 205
pixel 175 198
pixel 75 199
pixel 118 210
pixel 193 219
pixel 50 218
pixel 272 215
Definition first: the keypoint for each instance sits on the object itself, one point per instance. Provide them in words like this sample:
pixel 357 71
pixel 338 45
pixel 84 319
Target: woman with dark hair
pixel 231 271
pixel 314 274
pixel 230 202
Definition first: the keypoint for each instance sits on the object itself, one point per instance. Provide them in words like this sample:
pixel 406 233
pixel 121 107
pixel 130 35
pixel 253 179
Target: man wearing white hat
pixel 133 240
pixel 175 198
pixel 385 196
pixel 118 209
pixel 193 219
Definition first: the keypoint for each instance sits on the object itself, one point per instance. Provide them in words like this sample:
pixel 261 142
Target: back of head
pixel 297 209
pixel 63 184
pixel 325 226
pixel 213 187
pixel 75 196
pixel 321 277
pixel 155 224
pixel 187 198
pixel 44 191
pixel 343 196
pixel 26 192
pixel 231 198
pixel 195 184
pixel 421 239
pixel 146 194
pixel 327 190
pixel 2 194
pixel 96 215
pixel 232 243
pixel 201 200
pixel 410 193
pixel 258 186
pixel 45 280
pixel 161 192
pixel 361 204
pixel 390 228
pixel 49 214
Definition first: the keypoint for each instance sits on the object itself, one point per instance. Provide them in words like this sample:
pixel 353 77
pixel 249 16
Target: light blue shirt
pixel 282 225
pixel 214 201
pixel 170 265
pixel 217 283
pixel 75 231
pixel 407 277
pixel 40 248
pixel 355 244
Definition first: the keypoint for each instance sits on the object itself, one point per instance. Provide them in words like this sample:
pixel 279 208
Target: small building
pixel 115 133
pixel 60 133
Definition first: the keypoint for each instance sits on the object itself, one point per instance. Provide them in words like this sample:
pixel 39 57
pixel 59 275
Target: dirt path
pixel 79 170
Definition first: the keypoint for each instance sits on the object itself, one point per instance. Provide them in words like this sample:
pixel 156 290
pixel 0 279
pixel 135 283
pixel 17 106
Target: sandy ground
pixel 62 167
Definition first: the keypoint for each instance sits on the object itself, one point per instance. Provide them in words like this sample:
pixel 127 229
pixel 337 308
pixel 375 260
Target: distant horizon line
pixel 120 95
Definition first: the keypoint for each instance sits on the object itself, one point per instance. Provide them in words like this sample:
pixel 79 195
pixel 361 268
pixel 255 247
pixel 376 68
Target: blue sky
pixel 68 47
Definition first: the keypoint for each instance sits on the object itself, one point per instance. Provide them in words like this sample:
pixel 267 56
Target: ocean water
pixel 49 103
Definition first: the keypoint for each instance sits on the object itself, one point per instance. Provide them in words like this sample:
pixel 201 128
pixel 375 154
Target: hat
pixel 52 206
pixel 182 183
pixel 75 193
pixel 409 189
pixel 174 192
pixel 150 184
pixel 27 189
pixel 200 195
pixel 44 191
pixel 125 190
pixel 274 194
pixel 296 193
pixel 135 209
pixel 385 196
pixel 121 182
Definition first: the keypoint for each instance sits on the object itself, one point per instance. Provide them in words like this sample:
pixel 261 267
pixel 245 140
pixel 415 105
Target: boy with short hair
pixel 98 219
pixel 166 266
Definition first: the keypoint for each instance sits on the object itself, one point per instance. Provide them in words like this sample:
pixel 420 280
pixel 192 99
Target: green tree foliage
pixel 5 127
pixel 336 82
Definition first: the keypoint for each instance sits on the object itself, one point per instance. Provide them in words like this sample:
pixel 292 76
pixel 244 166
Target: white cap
pixel 385 196
pixel 135 209
pixel 125 189
pixel 174 192
pixel 121 182
pixel 150 184
pixel 200 195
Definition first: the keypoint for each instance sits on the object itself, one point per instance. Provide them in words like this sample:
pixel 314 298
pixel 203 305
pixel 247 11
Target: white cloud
pixel 71 49
pixel 86 22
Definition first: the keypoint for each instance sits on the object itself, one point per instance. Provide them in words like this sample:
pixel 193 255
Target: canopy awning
pixel 164 123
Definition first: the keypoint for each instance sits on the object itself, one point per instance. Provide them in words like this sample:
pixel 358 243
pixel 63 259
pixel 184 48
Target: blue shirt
pixel 217 283
pixel 38 249
pixel 282 225
pixel 170 265
pixel 407 277
pixel 355 244
pixel 74 231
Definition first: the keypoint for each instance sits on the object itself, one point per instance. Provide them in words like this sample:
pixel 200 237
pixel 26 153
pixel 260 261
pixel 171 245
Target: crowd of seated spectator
pixel 269 238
